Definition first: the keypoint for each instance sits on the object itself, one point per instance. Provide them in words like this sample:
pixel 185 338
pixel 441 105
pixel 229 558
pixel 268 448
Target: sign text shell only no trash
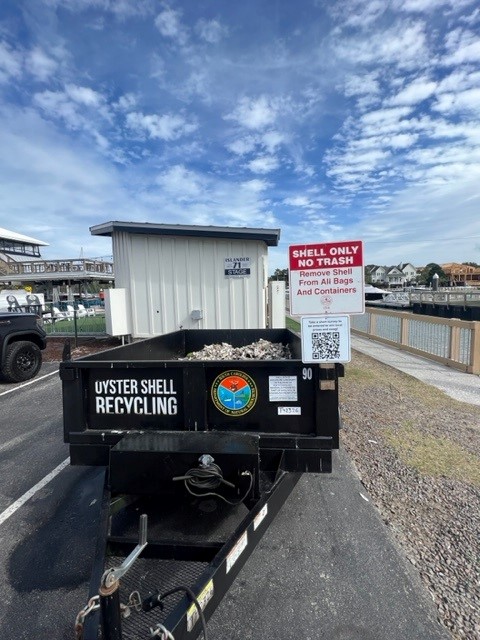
pixel 326 278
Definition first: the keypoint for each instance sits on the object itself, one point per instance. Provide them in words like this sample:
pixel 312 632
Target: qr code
pixel 326 345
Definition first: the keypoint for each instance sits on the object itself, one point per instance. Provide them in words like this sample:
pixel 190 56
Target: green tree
pixel 471 264
pixel 429 271
pixel 280 274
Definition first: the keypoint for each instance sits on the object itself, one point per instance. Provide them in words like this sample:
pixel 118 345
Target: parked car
pixel 22 339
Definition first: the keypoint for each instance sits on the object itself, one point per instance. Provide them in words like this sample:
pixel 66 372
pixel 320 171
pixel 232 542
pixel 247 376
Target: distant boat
pixel 397 299
pixel 373 293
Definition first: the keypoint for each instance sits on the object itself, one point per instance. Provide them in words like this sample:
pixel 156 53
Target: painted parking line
pixel 15 506
pixel 20 439
pixel 4 393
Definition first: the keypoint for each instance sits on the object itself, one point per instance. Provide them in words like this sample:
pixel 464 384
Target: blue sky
pixel 332 120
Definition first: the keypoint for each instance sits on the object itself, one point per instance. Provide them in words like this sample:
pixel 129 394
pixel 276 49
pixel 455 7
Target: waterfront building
pixel 21 264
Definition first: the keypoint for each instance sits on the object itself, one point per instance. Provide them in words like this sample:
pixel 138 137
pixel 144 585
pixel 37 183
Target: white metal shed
pixel 190 277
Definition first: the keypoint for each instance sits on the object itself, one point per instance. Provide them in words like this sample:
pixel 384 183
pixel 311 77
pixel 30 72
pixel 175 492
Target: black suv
pixel 22 338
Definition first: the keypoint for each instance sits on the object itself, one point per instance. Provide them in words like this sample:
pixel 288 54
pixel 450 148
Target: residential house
pixel 376 274
pixel 394 276
pixel 461 274
pixel 409 271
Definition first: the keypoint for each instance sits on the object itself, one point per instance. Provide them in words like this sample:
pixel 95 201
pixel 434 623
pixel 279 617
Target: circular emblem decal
pixel 234 393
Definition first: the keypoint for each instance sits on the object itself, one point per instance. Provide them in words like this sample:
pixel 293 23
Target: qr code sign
pixel 326 339
pixel 326 345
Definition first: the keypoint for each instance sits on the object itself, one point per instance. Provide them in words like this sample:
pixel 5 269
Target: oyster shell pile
pixel 259 350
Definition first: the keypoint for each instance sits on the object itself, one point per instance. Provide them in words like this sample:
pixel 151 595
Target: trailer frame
pixel 224 560
pixel 166 549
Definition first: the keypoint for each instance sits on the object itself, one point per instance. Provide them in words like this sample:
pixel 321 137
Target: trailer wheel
pixel 22 361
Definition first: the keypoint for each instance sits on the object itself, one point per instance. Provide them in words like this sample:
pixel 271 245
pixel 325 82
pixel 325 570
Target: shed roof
pixel 271 237
pixel 5 234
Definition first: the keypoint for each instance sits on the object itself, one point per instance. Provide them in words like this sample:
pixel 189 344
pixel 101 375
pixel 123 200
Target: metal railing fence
pixel 68 319
pixel 453 342
pixel 445 297
pixel 53 267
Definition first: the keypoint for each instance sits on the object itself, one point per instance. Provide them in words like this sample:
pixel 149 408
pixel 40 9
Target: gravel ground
pixel 417 452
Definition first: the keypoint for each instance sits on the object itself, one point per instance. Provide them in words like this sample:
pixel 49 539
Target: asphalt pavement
pixel 47 526
pixel 327 567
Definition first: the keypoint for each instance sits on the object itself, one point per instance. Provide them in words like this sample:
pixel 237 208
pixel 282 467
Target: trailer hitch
pixel 109 591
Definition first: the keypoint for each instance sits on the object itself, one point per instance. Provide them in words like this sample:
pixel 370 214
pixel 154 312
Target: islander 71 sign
pixel 326 278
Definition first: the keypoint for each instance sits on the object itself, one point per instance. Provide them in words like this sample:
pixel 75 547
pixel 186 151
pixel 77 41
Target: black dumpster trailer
pixel 199 458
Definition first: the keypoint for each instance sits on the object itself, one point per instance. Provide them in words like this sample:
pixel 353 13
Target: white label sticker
pixel 236 551
pixel 203 598
pixel 289 411
pixel 260 517
pixel 282 388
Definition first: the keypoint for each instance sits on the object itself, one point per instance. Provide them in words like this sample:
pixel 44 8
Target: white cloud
pixel 242 146
pixel 463 102
pixel 383 119
pixel 197 84
pixel 216 199
pixel 256 185
pixel 272 139
pixel 211 31
pixel 255 113
pixel 125 102
pixel 420 6
pixel 459 80
pixel 179 181
pixel 67 183
pixel 445 174
pixel 297 201
pixel 414 93
pixel 165 127
pixel 263 164
pixel 57 104
pixel 302 202
pixel 360 14
pixel 84 95
pixel 472 18
pixel 403 45
pixel 467 53
pixel 40 64
pixel 464 47
pixel 447 155
pixel 367 160
pixel 79 107
pixel 120 8
pixel 10 62
pixel 467 130
pixel 364 84
pixel 127 8
pixel 303 168
pixel 168 22
pixel 401 140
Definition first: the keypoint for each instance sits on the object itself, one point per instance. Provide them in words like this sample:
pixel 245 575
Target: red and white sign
pixel 326 278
